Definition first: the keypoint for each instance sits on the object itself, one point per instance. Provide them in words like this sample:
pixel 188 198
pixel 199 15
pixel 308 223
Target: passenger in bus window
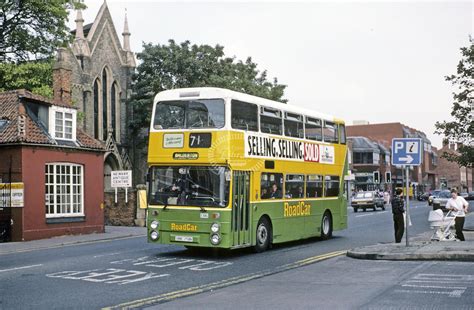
pixel 276 193
pixel 300 192
pixel 265 194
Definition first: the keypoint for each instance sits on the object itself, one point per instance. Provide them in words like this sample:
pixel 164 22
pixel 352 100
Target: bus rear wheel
pixel 262 240
pixel 326 226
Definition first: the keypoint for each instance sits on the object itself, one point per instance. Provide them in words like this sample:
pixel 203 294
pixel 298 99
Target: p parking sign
pixel 406 152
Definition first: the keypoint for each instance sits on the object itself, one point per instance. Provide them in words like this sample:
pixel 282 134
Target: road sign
pixel 121 178
pixel 406 151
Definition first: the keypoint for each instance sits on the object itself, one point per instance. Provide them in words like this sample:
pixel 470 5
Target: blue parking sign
pixel 407 151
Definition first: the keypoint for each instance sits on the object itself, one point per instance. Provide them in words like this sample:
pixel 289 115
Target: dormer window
pixel 62 123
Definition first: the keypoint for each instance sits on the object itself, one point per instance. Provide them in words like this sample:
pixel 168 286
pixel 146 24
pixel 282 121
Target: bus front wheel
pixel 326 226
pixel 263 235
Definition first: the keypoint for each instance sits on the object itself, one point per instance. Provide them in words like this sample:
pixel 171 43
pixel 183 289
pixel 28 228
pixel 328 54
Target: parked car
pixel 423 196
pixel 433 195
pixel 470 196
pixel 440 201
pixel 464 195
pixel 368 200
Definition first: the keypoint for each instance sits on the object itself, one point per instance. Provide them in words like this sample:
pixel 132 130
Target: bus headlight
pixel 215 227
pixel 215 239
pixel 154 235
pixel 154 224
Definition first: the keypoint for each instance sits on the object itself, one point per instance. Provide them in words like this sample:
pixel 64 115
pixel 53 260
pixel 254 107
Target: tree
pixel 33 28
pixel 184 65
pixel 461 129
pixel 36 76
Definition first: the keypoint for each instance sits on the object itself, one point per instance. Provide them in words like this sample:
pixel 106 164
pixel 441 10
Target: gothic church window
pixel 96 109
pixel 104 104
pixel 113 109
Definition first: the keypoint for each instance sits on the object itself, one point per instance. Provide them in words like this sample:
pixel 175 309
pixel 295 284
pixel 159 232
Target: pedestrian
pixel 386 197
pixel 398 211
pixel 458 205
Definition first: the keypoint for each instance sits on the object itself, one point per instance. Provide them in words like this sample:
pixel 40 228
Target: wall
pixel 452 173
pixel 382 133
pixel 121 213
pixel 33 171
pixel 16 214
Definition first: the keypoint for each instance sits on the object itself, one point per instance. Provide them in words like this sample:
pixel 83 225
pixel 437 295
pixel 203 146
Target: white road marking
pixel 437 281
pixel 109 254
pixel 23 267
pixel 364 215
pixel 452 285
pixel 436 286
pixel 455 293
pixel 160 262
pixel 109 276
pixel 443 277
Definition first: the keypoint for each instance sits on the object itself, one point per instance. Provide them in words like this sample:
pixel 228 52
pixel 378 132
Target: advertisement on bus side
pixel 277 148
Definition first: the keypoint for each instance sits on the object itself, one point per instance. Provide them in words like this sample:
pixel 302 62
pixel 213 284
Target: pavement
pixel 111 233
pixel 421 248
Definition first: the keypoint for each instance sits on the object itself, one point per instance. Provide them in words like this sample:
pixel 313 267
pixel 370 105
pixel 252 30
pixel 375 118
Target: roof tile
pixel 32 132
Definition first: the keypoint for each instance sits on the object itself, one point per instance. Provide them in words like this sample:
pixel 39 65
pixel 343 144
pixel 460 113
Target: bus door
pixel 241 213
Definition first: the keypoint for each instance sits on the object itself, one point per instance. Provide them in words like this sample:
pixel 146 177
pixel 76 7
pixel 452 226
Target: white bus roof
pixel 214 92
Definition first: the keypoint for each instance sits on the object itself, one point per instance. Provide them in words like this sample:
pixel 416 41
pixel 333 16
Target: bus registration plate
pixel 183 238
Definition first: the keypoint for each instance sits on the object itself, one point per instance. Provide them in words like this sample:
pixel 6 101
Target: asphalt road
pixel 111 273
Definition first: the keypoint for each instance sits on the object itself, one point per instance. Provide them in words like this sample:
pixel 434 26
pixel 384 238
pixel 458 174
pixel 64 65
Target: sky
pixel 377 61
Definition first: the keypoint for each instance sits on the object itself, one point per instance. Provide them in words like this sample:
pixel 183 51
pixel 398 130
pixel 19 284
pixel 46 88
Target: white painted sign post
pixel 121 178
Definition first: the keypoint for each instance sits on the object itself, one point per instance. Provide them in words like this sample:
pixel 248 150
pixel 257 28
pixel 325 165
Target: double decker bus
pixel 230 170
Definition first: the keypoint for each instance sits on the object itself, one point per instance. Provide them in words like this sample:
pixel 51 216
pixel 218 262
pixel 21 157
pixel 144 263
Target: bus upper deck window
pixel 186 114
pixel 342 134
pixel 271 121
pixel 244 115
pixel 313 129
pixel 294 125
pixel 330 132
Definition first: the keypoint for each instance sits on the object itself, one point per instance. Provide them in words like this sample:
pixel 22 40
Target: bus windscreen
pixel 190 186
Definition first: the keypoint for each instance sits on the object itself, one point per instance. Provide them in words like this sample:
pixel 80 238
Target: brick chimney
pixel 62 75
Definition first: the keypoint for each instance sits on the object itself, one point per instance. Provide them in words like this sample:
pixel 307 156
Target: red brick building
pixel 451 175
pixel 423 177
pixel 370 164
pixel 60 166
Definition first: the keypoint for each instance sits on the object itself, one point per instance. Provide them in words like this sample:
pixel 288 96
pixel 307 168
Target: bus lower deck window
pixel 271 186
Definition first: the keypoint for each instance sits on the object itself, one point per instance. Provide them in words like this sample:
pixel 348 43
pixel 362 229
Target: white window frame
pixel 76 198
pixel 52 122
pixel 375 158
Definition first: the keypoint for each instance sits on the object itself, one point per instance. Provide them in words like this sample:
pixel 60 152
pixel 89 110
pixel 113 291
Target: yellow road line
pixel 221 284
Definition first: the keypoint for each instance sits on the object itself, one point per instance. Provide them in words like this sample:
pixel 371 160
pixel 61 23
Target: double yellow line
pixel 221 284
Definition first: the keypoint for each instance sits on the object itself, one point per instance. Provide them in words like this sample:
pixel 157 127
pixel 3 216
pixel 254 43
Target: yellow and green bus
pixel 230 170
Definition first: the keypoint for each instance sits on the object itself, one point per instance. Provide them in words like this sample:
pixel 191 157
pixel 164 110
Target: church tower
pixel 100 70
